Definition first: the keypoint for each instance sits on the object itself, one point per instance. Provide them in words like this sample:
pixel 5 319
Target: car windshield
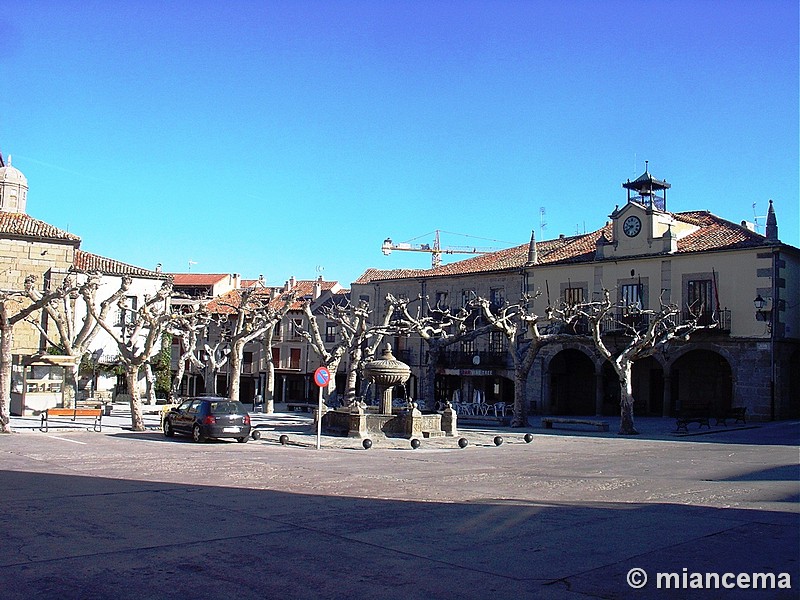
pixel 227 408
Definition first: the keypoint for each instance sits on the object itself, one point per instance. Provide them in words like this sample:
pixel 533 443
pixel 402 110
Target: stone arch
pixel 572 382
pixel 701 377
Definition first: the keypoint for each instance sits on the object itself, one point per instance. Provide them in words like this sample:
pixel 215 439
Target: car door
pixel 184 418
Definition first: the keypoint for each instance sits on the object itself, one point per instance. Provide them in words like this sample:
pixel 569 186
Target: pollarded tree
pixel 525 333
pixel 189 323
pixel 648 332
pixel 250 313
pixel 439 328
pixel 16 306
pixel 72 323
pixel 140 336
pixel 330 357
pixel 358 339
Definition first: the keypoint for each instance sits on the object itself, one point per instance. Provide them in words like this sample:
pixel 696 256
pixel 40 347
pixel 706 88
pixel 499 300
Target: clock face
pixel 632 226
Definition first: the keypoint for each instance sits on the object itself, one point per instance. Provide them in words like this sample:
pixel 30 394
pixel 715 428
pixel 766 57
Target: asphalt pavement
pixel 572 514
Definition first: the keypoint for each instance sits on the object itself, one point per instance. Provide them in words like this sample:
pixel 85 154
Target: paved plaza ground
pixel 572 514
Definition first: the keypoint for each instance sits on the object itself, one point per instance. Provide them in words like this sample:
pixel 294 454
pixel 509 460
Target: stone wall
pixel 20 258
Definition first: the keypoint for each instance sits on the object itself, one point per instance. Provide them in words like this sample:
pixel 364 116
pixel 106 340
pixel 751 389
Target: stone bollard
pixel 449 420
pixel 358 420
pixel 413 422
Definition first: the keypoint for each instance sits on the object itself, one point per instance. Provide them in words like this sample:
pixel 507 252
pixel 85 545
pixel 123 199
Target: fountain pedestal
pixel 362 421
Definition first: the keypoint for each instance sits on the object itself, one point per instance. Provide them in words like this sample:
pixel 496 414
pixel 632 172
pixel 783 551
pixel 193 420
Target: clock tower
pixel 643 225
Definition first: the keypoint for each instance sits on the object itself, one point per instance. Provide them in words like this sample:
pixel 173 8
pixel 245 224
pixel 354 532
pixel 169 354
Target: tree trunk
pixel 269 387
pixel 151 384
pixel 6 340
pixel 520 406
pixel 132 378
pixel 350 386
pixel 211 383
pixel 626 399
pixel 235 359
pixel 71 384
pixel 428 399
pixel 175 388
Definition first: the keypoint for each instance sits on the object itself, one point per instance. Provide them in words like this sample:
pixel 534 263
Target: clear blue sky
pixel 278 137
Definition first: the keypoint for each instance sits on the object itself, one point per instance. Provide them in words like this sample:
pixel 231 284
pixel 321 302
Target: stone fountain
pixel 360 420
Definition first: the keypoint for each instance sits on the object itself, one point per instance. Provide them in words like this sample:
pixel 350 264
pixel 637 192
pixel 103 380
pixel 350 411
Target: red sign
pixel 322 377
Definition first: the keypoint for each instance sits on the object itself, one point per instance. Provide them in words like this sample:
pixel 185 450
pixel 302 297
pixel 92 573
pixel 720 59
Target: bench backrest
pixel 69 412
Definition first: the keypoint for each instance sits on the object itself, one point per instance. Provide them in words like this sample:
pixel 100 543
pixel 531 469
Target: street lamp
pixel 761 314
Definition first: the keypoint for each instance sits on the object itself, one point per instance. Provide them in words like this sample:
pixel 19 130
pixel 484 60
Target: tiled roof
pixel 278 296
pixel 86 261
pixel 714 233
pixel 22 225
pixel 198 278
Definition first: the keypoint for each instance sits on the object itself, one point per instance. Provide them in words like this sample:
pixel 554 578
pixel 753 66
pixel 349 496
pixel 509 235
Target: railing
pixel 719 320
pixel 459 359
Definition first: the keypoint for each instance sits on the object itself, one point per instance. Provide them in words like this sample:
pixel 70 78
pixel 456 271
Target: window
pixel 276 357
pixel 297 327
pixel 247 362
pixel 700 301
pixel 466 297
pixel 277 332
pixel 573 296
pixel 497 341
pixel 699 295
pixel 294 358
pixel 631 296
pixel 497 297
pixel 441 301
pixel 330 332
pixel 468 347
pixel 127 311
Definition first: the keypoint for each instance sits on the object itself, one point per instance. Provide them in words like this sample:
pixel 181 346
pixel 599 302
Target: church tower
pixel 13 188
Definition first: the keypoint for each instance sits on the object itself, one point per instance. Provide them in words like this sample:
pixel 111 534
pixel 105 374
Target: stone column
pixel 598 393
pixel 666 403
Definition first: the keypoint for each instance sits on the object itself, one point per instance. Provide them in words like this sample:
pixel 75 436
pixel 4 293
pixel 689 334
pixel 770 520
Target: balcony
pixel 466 360
pixel 719 320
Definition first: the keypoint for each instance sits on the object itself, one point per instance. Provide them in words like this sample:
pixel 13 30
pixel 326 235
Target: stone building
pixel 293 359
pixel 29 246
pixel 745 282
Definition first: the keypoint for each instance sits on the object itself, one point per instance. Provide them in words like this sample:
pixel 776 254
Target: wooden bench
pixel 736 413
pixel 700 416
pixel 548 422
pixel 60 414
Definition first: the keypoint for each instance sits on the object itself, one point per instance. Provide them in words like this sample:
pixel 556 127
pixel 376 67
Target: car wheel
pixel 168 430
pixel 243 440
pixel 197 434
pixel 256 434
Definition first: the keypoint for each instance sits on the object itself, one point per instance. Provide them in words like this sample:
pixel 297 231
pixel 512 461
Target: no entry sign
pixel 322 377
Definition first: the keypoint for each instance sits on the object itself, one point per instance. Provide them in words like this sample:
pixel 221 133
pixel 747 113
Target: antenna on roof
pixel 756 224
pixel 542 222
pixel 191 262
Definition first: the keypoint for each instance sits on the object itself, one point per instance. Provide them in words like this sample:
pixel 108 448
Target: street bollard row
pixel 415 443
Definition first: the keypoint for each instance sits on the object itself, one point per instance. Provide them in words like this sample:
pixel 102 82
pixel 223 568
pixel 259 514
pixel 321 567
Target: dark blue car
pixel 204 418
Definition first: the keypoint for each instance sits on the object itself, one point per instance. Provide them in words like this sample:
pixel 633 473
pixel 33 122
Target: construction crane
pixel 435 251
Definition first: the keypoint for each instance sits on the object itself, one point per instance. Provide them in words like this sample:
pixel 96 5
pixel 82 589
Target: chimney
pixel 317 288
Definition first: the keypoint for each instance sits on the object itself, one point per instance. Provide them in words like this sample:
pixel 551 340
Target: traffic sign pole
pixel 321 377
